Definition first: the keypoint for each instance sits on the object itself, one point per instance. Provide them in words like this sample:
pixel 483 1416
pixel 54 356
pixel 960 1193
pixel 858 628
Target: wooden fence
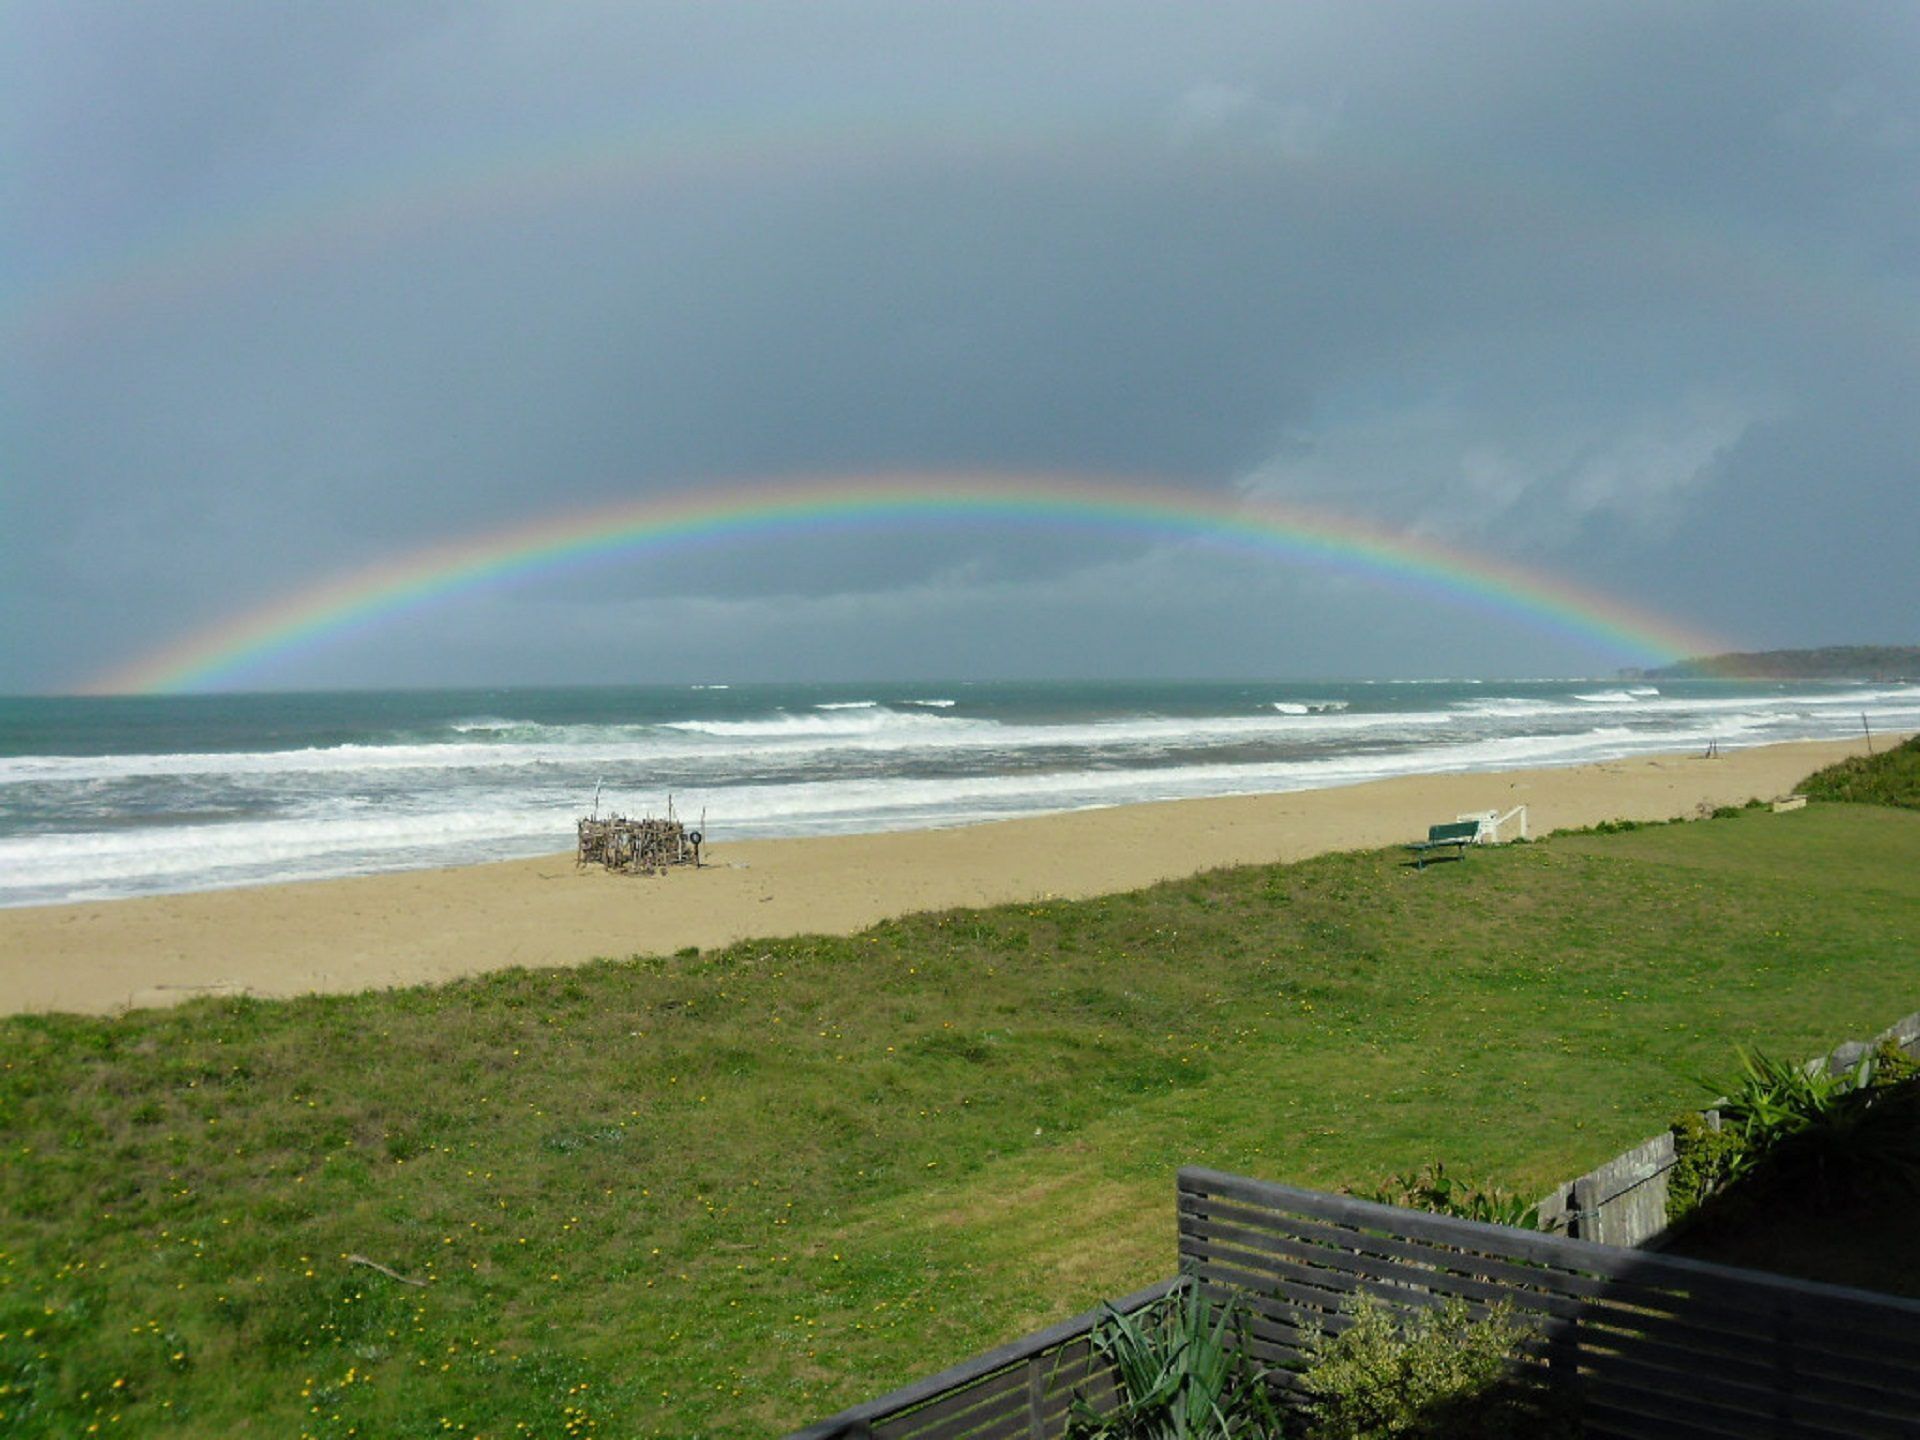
pixel 1019 1390
pixel 1624 1202
pixel 1640 1344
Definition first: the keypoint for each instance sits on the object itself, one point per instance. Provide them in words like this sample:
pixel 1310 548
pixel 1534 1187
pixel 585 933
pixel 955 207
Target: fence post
pixel 1036 1393
pixel 1586 1210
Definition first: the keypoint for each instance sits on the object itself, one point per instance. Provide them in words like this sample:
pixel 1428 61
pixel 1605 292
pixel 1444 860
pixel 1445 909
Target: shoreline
pixel 426 926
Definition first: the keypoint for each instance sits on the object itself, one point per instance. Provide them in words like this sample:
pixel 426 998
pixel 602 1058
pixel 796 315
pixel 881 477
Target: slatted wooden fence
pixel 1640 1344
pixel 1019 1390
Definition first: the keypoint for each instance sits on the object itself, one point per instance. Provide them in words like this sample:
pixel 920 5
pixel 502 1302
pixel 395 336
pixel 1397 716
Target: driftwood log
pixel 637 847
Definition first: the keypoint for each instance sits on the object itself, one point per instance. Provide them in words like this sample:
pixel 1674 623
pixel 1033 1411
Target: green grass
pixel 1891 777
pixel 731 1192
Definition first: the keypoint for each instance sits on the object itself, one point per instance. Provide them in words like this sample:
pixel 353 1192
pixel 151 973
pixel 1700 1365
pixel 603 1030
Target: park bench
pixel 1459 834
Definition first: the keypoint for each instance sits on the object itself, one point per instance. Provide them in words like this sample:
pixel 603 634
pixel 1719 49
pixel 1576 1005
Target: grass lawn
pixel 726 1193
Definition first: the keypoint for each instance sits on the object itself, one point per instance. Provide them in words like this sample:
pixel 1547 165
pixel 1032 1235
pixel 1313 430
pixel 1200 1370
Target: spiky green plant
pixel 1183 1372
pixel 1432 1188
pixel 1835 1132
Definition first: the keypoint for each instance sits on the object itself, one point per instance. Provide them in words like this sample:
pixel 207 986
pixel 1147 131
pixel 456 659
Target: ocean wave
pixel 822 738
pixel 487 793
pixel 1608 697
pixel 350 839
pixel 848 705
pixel 486 725
pixel 843 721
pixel 933 704
pixel 295 846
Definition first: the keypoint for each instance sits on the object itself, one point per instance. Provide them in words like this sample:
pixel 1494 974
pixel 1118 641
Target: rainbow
pixel 312 616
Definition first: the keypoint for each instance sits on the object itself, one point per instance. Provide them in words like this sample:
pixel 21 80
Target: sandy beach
pixel 432 925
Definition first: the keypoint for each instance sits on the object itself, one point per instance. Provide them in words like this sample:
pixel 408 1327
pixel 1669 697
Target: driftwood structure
pixel 637 847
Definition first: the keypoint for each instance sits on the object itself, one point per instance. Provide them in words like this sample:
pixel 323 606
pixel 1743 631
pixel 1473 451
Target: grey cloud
pixel 1622 293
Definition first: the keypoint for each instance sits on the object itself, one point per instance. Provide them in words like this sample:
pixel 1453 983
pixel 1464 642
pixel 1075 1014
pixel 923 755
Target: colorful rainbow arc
pixel 310 616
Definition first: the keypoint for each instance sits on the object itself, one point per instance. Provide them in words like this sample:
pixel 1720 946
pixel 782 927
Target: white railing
pixel 1492 820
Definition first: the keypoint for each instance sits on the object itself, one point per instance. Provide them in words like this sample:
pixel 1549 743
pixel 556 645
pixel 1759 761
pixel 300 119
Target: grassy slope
pixel 1891 777
pixel 730 1192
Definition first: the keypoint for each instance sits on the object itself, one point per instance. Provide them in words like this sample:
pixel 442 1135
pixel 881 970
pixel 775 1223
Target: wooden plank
pixel 1195 1183
pixel 1600 1349
pixel 1732 1300
pixel 1890 1335
pixel 1396 1280
pixel 1326 1287
pixel 1848 1379
pixel 1311 1303
pixel 1725 1393
pixel 1598 1391
pixel 1885 1383
pixel 1005 1421
pixel 1318 1290
pixel 1602 1421
pixel 1214 1236
pixel 1003 1393
pixel 1008 1412
pixel 1675 1349
pixel 1336 1239
pixel 979 1366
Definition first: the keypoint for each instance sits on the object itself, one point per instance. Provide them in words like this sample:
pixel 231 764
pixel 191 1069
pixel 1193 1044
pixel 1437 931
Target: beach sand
pixel 431 925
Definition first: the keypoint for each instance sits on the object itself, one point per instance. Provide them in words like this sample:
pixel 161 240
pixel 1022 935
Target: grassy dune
pixel 1891 777
pixel 725 1193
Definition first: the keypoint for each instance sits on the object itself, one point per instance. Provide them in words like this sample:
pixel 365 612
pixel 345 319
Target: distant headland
pixel 1830 662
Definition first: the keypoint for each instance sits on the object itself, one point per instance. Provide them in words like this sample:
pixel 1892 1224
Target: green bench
pixel 1459 834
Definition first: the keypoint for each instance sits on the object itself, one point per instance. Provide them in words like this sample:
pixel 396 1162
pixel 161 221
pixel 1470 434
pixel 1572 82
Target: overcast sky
pixel 1625 294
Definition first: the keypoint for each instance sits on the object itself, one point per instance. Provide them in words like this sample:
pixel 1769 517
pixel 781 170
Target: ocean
pixel 102 798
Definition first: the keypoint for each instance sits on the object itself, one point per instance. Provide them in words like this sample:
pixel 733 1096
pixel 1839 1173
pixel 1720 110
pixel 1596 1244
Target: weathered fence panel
pixel 1639 1343
pixel 1624 1202
pixel 1020 1391
pixel 1642 1343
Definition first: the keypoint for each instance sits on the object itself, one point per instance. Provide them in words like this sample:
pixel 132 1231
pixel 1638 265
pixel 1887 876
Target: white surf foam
pixel 504 786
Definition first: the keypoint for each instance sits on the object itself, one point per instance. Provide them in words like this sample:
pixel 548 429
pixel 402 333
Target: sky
pixel 1626 295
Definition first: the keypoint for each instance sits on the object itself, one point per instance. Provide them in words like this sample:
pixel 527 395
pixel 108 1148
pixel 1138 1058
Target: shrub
pixel 1703 1163
pixel 1432 1188
pixel 1439 1374
pixel 1892 1065
pixel 1184 1372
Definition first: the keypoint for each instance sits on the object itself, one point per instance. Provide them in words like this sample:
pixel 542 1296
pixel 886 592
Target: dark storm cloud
pixel 1626 295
